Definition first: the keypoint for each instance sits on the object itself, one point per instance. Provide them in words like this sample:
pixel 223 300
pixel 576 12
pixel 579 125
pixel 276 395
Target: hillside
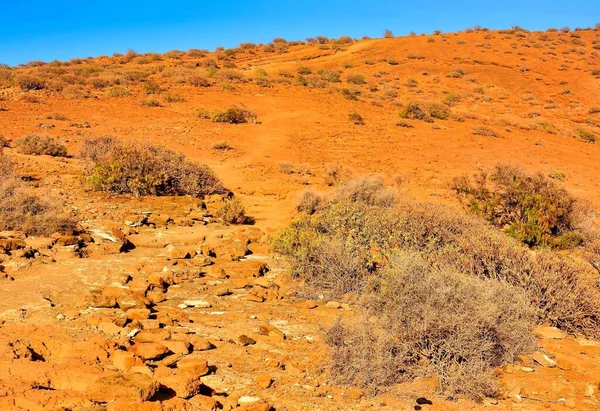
pixel 417 111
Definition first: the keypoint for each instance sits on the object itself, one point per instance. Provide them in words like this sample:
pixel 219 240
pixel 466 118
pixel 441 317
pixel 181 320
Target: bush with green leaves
pixel 415 112
pixel 532 208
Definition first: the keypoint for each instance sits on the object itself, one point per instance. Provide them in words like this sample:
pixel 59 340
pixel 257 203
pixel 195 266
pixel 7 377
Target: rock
pixel 515 394
pixel 333 304
pixel 123 360
pixel 183 386
pixel 138 314
pixel 244 340
pixel 133 387
pixel 272 332
pixel 200 344
pixel 180 253
pixel 193 365
pixel 248 400
pixel 548 333
pixel 108 327
pixel 215 272
pixel 264 381
pixel 149 324
pixel 177 347
pixel 355 393
pixel 222 291
pixel 141 369
pixel 570 403
pixel 527 369
pixel 132 299
pixel 197 304
pixel 149 351
pixel 149 336
pixel 543 360
pixel 589 391
pixel 255 298
pixel 310 304
pixel 156 296
pixel 263 282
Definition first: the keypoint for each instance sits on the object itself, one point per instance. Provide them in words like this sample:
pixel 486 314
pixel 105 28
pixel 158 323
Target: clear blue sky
pixel 64 29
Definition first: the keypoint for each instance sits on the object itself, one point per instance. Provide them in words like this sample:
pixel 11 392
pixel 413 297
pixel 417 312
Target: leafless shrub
pixel 418 320
pixel 37 145
pixel 309 202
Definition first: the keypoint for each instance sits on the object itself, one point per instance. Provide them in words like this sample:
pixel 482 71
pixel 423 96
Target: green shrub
pixel 232 211
pixel 415 112
pixel 418 320
pixel 37 145
pixel 533 209
pixel 234 115
pixel 142 169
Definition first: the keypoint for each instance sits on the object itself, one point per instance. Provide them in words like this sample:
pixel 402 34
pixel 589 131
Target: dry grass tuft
pixel 37 145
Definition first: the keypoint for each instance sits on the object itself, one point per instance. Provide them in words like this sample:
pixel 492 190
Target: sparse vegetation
pixel 356 118
pixel 533 209
pixel 142 169
pixel 24 211
pixel 232 211
pixel 234 115
pixel 485 131
pixel 586 136
pixel 415 112
pixel 34 144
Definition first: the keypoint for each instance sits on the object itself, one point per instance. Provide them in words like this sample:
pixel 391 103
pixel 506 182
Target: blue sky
pixel 47 30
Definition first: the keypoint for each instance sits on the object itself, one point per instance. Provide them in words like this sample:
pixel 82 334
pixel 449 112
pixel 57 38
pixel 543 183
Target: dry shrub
pixel 415 112
pixel 532 208
pixel 37 145
pixel 27 83
pixel 143 169
pixel 485 131
pixel 366 190
pixel 417 320
pixel 560 289
pixel 232 211
pixel 309 202
pixel 23 211
pixel 97 148
pixel 4 142
pixel 234 115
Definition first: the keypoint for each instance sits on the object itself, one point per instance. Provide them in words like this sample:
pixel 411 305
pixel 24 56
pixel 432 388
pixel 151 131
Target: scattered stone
pixel 123 360
pixel 200 344
pixel 177 347
pixel 264 381
pixel 133 387
pixel 244 340
pixel 215 272
pixel 515 394
pixel 138 314
pixel 355 393
pixel 570 403
pixel 589 391
pixel 193 365
pixel 150 350
pixel 184 386
pixel 527 369
pixel 248 400
pixel 255 298
pixel 333 304
pixel 310 304
pixel 548 333
pixel 222 291
pixel 543 360
pixel 197 304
